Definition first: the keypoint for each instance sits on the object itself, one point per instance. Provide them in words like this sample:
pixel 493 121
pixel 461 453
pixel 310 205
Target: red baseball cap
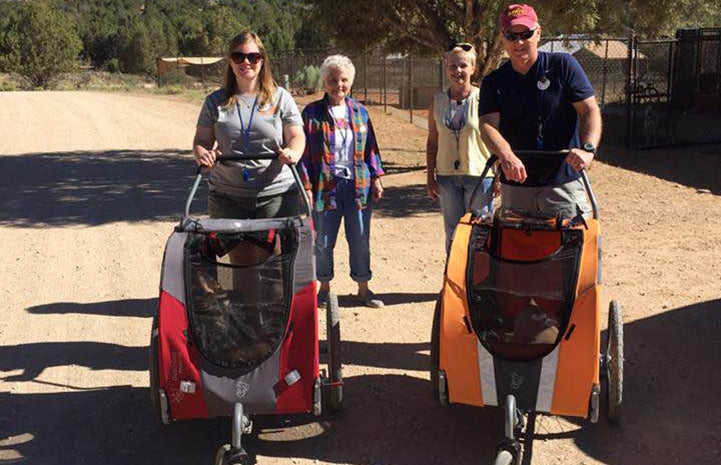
pixel 518 14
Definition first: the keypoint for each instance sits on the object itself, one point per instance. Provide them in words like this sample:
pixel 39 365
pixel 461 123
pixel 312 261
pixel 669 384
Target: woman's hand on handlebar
pixel 288 156
pixel 205 157
pixel 513 168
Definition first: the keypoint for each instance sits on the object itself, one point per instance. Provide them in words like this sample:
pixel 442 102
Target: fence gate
pixel 674 90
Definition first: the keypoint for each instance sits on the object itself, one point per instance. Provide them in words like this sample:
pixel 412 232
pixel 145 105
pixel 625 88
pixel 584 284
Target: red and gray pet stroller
pixel 238 338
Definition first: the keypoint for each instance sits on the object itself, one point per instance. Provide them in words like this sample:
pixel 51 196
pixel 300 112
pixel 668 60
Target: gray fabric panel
pixel 488 375
pixel 254 390
pixel 221 225
pixel 304 266
pixel 547 381
pixel 172 280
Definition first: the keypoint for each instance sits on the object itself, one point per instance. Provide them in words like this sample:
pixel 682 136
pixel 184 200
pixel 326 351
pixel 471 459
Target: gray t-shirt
pixel 254 177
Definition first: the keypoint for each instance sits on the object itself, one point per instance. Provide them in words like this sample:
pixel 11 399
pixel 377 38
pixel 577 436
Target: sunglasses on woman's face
pixel 514 36
pixel 239 57
pixel 465 46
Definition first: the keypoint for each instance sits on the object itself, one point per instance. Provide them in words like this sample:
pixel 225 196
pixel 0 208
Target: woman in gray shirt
pixel 250 115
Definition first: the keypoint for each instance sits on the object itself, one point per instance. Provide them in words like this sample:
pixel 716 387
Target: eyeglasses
pixel 465 46
pixel 239 57
pixel 514 36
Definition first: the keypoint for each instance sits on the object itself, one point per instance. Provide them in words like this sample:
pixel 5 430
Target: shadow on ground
pixel 386 419
pixel 126 307
pixel 695 167
pixel 670 412
pixel 32 359
pixel 671 402
pixel 404 202
pixel 389 298
pixel 94 188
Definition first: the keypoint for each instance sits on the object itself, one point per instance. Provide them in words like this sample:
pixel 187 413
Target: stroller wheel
pixel 335 366
pixel 155 399
pixel 226 456
pixel 437 381
pixel 614 362
pixel 504 457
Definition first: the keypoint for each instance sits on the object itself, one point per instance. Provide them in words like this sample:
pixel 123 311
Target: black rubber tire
pixel 614 364
pixel 153 368
pixel 436 349
pixel 335 365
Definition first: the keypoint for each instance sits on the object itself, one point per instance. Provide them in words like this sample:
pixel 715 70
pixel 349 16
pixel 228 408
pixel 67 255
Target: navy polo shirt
pixel 521 103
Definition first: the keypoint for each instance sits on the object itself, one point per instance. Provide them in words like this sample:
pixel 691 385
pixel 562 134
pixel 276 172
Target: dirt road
pixel 90 186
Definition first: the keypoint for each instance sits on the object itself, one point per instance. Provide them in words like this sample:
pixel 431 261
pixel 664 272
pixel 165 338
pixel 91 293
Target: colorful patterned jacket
pixel 317 165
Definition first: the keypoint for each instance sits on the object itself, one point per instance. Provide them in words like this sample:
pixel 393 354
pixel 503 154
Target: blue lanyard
pixel 343 133
pixel 245 132
pixel 542 84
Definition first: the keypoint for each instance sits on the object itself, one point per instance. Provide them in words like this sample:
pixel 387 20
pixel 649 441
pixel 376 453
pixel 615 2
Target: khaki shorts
pixel 271 206
pixel 566 199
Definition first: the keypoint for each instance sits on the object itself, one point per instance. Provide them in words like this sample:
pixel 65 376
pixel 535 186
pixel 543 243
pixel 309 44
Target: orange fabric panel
pixel 517 244
pixel 578 361
pixel 459 357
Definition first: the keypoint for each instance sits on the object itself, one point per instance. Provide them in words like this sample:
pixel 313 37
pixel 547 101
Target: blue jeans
pixel 357 233
pixel 455 198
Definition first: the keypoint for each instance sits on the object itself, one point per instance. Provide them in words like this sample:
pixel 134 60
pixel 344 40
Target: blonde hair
pixel 266 84
pixel 458 50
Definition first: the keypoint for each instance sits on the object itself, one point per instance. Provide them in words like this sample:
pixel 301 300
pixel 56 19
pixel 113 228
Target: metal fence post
pixel 410 84
pixel 365 76
pixel 629 84
pixel 440 74
pixel 605 75
pixel 385 84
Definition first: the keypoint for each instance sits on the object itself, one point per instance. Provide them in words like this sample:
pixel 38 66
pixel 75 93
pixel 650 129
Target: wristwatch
pixel 589 147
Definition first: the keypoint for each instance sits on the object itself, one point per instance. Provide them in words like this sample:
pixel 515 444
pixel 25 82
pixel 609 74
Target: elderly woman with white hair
pixel 455 153
pixel 341 170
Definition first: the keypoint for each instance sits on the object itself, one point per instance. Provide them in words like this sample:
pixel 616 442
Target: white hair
pixel 340 62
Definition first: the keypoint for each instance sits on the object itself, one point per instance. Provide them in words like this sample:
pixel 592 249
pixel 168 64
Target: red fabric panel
pixel 300 352
pixel 178 361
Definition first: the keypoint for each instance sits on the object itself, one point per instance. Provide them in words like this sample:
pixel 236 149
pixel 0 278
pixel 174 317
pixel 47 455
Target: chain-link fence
pixel 674 95
pixel 605 62
pixel 667 91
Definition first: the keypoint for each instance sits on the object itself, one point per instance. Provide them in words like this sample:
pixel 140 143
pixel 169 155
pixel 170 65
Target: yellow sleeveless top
pixel 468 152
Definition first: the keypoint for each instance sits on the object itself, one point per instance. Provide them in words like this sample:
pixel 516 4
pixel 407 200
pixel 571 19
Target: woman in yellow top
pixel 455 154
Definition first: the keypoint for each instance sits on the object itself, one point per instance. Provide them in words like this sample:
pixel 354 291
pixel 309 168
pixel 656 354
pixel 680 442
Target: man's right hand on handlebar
pixel 513 168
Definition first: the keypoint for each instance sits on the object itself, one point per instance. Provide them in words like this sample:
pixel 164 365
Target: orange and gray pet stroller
pixel 517 324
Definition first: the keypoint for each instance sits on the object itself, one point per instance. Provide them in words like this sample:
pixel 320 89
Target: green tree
pixel 39 43
pixel 136 53
pixel 431 26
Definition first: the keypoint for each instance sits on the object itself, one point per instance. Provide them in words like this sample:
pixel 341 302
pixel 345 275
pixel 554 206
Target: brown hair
pixel 266 84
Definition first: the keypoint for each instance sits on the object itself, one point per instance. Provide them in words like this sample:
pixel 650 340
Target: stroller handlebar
pixel 204 170
pixel 557 155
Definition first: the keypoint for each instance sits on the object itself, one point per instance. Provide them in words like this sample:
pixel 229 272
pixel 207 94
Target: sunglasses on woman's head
pixel 465 46
pixel 239 57
pixel 514 36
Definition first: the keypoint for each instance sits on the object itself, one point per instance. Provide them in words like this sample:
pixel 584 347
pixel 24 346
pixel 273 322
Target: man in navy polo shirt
pixel 539 101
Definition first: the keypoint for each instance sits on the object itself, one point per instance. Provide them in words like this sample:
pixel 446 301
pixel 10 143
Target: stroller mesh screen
pixel 239 288
pixel 522 288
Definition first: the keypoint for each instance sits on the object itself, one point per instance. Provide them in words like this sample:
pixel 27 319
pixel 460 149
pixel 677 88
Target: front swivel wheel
pixel 227 455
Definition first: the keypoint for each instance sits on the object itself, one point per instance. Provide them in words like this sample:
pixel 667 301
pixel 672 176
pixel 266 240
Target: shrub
pixel 112 65
pixel 39 43
pixel 309 79
pixel 175 77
